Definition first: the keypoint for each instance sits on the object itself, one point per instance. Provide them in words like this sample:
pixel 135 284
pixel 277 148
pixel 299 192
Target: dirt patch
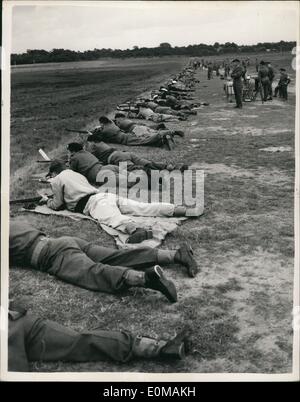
pixel 277 149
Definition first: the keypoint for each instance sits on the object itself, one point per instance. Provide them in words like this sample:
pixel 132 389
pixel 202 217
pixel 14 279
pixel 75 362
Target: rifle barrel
pixel 23 200
pixel 77 131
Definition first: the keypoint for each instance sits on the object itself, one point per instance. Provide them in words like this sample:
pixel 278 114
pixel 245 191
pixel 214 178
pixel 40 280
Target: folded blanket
pixel 160 226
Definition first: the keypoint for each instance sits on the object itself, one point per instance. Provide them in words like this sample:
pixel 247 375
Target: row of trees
pixel 164 49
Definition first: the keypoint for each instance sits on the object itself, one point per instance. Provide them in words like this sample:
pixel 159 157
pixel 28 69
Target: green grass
pixel 239 306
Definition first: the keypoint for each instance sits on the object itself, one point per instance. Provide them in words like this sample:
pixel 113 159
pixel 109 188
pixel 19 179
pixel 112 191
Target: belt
pixel 82 203
pixel 42 241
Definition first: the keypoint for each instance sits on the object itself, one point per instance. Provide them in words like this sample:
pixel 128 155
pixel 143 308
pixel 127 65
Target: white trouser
pixel 112 210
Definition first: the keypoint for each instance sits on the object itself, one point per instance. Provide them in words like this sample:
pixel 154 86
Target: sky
pixel 124 24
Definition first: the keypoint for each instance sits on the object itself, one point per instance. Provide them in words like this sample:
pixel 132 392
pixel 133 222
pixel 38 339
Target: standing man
pixel 271 79
pixel 227 68
pixel 263 78
pixel 236 75
pixel 209 70
pixel 283 83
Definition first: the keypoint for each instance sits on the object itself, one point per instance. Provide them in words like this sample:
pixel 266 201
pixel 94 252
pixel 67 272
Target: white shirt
pixel 68 188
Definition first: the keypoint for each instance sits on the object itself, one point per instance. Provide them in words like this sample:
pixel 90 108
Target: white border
pixel 112 377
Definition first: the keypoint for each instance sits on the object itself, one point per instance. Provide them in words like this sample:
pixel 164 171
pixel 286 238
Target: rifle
pixel 25 200
pixel 78 131
pixel 28 200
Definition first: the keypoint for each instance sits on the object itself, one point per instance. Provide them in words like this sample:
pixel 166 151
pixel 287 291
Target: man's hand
pixel 43 200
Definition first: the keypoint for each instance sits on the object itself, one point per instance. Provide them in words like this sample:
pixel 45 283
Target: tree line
pixel 164 49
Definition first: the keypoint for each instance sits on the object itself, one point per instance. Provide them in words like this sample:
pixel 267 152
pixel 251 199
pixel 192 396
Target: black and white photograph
pixel 150 191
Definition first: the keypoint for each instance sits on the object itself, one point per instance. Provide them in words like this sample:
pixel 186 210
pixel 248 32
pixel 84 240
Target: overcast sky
pixel 124 24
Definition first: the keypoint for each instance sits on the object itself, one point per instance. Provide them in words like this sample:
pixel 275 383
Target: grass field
pixel 239 306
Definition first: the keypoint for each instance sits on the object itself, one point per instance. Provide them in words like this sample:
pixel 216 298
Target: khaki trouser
pixel 97 268
pixel 35 339
pixel 133 160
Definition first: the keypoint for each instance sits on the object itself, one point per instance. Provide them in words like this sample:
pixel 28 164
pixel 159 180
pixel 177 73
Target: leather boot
pixel 151 348
pixel 140 235
pixel 185 256
pixel 166 140
pixel 155 279
pixel 179 133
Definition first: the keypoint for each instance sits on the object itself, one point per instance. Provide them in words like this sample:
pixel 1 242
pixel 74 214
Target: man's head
pixel 74 147
pixel 235 62
pixel 56 167
pixel 104 120
pixel 262 63
pixel 120 115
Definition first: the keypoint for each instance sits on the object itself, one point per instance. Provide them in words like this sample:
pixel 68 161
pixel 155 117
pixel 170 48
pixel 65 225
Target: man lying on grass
pixel 88 165
pixel 159 108
pixel 109 132
pixel 130 126
pixel 145 112
pixel 71 190
pixel 35 339
pixel 93 267
pixel 110 156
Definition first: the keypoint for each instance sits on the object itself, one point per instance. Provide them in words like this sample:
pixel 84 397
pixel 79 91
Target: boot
pixel 167 140
pixel 151 348
pixel 185 256
pixel 155 279
pixel 176 347
pixel 140 235
pixel 161 126
pixel 183 167
pixel 180 133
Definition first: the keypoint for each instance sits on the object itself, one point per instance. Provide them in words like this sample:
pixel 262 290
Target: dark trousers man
pixel 282 89
pixel 34 339
pixel 134 161
pixel 265 82
pixel 238 89
pixel 93 267
pixel 270 91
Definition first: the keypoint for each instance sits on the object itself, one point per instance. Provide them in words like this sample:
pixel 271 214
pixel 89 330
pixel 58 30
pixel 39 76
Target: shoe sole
pixel 168 287
pixel 188 253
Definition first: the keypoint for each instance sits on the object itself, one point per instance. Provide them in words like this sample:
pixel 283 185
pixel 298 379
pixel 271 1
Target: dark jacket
pixel 237 73
pixel 83 162
pixel 111 133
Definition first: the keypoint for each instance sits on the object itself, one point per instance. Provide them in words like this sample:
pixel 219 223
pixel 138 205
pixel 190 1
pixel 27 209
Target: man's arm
pixel 237 72
pixel 57 201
